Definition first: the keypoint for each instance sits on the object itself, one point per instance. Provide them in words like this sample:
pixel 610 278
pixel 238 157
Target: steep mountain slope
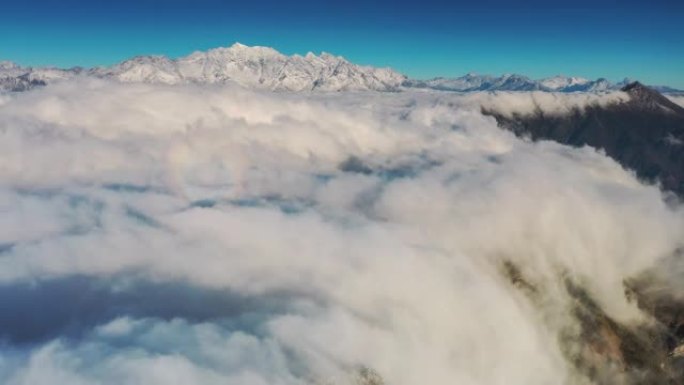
pixel 645 134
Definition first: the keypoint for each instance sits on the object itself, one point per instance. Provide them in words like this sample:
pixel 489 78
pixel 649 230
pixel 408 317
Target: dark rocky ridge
pixel 644 134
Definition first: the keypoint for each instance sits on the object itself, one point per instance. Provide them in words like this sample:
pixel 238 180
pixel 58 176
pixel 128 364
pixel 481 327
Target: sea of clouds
pixel 214 235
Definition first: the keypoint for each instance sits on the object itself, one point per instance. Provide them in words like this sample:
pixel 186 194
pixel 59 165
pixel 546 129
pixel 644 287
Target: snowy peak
pixel 238 52
pixel 149 69
pixel 561 82
pixel 257 67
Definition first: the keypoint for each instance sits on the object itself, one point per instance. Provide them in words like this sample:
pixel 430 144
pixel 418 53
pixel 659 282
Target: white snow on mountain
pixel 474 82
pixel 144 69
pixel 256 67
pixel 560 82
pixel 16 78
pixel 511 82
pixel 267 69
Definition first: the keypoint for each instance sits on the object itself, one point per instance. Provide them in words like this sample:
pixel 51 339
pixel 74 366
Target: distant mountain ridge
pixel 512 82
pixel 265 68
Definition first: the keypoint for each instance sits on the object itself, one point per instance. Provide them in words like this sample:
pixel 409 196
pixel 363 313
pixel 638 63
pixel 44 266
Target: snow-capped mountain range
pixel 252 67
pixel 511 82
pixel 266 68
pixel 256 67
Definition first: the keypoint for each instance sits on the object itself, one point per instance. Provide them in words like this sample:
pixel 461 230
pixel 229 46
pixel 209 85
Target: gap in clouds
pixel 69 307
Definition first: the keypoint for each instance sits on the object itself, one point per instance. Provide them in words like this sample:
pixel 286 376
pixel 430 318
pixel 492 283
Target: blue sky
pixel 602 38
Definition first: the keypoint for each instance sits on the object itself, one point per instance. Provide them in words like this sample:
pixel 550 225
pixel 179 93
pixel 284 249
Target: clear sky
pixel 643 40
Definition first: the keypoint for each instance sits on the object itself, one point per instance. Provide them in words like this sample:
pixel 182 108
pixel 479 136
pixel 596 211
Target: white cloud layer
pixel 679 99
pixel 380 221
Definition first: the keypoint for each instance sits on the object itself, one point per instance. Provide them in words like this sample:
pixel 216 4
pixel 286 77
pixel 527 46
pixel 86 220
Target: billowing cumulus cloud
pixel 212 235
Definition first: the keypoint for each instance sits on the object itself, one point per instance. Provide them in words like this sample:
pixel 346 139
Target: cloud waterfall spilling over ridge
pixel 679 99
pixel 306 239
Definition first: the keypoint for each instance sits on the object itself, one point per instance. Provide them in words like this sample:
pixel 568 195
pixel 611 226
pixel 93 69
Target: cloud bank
pixel 679 99
pixel 216 235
